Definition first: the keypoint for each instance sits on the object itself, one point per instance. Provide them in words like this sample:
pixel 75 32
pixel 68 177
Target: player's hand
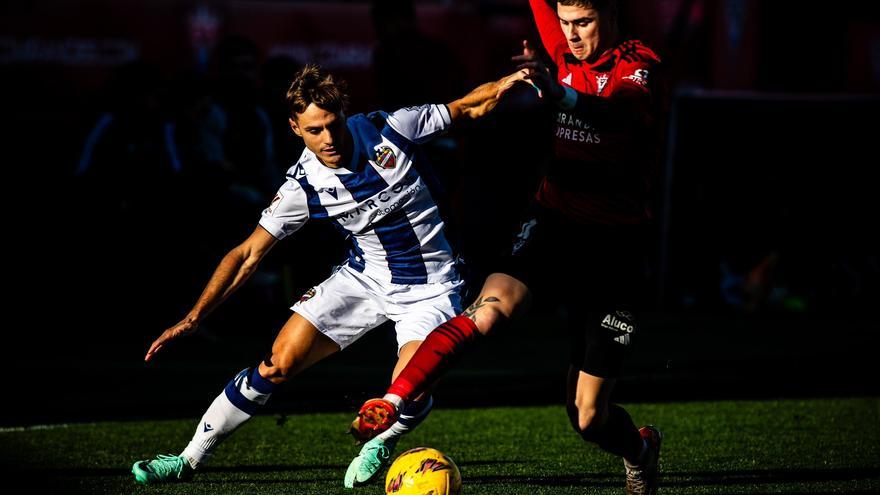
pixel 537 73
pixel 510 80
pixel 187 326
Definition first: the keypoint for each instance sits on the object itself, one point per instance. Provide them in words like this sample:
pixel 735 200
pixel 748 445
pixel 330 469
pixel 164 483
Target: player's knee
pixel 502 298
pixel 276 369
pixel 488 318
pixel 587 421
pixel 514 294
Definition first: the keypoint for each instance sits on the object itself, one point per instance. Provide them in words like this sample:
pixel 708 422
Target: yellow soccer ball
pixel 423 471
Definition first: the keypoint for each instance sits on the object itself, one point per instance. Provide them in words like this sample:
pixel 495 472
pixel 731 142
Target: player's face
pixel 587 30
pixel 324 133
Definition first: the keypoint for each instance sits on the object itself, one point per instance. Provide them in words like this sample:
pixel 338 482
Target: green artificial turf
pixel 786 446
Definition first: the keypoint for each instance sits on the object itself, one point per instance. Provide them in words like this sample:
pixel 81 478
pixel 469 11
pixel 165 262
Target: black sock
pixel 620 436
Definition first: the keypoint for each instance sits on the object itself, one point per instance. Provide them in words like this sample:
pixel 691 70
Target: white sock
pixel 240 400
pixel 394 399
pixel 410 417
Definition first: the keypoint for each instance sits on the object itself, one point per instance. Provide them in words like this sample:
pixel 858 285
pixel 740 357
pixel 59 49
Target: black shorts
pixel 597 271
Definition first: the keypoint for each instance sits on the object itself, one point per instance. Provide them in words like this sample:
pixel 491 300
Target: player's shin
pixel 619 436
pixel 434 357
pixel 238 402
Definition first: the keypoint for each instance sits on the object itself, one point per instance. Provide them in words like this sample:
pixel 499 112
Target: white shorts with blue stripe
pixel 349 304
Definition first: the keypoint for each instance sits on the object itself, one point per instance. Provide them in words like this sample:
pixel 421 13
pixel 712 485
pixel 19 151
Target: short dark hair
pixel 314 85
pixel 601 5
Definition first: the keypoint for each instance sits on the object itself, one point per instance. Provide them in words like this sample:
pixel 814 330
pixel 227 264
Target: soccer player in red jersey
pixel 589 224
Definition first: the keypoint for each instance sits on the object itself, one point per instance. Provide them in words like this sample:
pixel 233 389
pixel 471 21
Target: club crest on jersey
pixel 640 77
pixel 385 158
pixel 308 295
pixel 601 81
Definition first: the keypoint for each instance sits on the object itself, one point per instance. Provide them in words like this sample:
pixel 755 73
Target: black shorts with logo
pixel 597 271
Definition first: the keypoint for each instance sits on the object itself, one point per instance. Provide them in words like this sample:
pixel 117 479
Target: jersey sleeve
pixel 636 66
pixel 420 124
pixel 548 27
pixel 288 211
pixel 634 78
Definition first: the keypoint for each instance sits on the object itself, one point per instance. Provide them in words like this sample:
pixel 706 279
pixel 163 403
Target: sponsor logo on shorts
pixel 620 322
pixel 308 295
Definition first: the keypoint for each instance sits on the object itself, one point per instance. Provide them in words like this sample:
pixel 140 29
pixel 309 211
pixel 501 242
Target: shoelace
pixel 165 464
pixel 635 480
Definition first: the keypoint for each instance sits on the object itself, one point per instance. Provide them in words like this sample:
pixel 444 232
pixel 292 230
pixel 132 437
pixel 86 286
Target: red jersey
pixel 604 149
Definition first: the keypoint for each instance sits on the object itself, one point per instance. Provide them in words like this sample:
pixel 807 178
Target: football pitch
pixel 829 445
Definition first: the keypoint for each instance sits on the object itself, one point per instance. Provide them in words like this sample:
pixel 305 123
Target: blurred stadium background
pixel 142 140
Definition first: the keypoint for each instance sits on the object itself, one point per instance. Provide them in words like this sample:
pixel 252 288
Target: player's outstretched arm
pixel 484 98
pixel 625 106
pixel 537 74
pixel 235 268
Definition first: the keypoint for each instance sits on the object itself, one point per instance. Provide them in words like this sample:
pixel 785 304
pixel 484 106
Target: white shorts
pixel 349 304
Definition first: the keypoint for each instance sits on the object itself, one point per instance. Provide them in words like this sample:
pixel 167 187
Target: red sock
pixel 434 357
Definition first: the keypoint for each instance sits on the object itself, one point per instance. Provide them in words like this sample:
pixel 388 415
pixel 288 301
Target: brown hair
pixel 313 85
pixel 601 5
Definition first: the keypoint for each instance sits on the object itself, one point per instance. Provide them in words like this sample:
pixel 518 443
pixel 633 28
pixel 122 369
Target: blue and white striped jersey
pixel 380 201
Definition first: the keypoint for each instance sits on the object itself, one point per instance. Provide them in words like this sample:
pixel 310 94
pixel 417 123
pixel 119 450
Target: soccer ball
pixel 423 471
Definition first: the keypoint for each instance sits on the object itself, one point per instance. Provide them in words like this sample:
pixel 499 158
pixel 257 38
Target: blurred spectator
pixel 278 72
pixel 248 140
pixel 129 156
pixel 199 125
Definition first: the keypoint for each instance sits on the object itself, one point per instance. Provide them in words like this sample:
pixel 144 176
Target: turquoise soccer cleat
pixel 374 455
pixel 162 469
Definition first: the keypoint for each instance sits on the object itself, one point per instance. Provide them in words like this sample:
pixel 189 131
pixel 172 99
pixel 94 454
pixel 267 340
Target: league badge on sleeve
pixel 275 201
pixel 385 158
pixel 640 77
pixel 308 295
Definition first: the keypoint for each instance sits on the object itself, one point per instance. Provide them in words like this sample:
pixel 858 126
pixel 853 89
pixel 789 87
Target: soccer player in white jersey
pixel 360 173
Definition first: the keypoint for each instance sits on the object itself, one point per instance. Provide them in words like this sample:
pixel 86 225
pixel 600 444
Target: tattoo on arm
pixel 471 312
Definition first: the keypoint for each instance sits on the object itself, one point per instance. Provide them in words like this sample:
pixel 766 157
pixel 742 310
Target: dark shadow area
pixel 761 477
pixel 705 479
